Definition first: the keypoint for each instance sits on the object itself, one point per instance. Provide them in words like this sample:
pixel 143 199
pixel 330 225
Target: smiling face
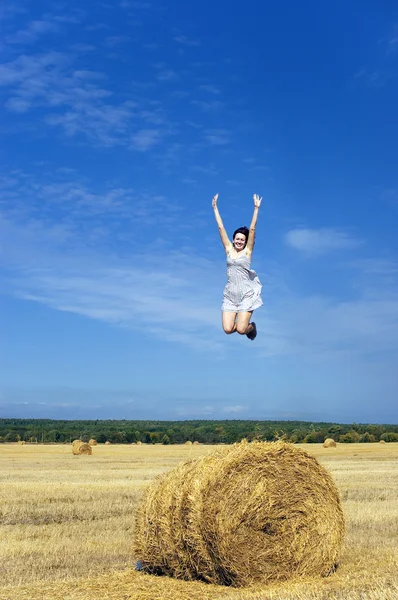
pixel 239 242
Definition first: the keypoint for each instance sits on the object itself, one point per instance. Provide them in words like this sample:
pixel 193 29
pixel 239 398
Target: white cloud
pixel 208 169
pixel 145 139
pixel 33 31
pixel 72 98
pixel 217 137
pixel 234 409
pixel 393 42
pixel 197 410
pixel 186 41
pixel 208 106
pixel 10 10
pixel 165 73
pixel 212 89
pixel 17 105
pixel 314 242
pixel 64 206
pixel 80 103
pixel 58 241
pixel 113 41
pixel 137 4
pixel 377 266
pixel 145 297
pixel 82 47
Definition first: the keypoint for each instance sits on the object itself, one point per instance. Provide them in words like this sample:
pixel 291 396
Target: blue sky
pixel 120 121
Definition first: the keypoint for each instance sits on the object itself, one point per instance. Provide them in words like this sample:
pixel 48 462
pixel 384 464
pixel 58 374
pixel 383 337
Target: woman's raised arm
pixel 221 228
pixel 252 230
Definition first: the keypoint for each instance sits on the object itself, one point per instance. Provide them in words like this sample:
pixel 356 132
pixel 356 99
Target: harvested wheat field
pixel 67 525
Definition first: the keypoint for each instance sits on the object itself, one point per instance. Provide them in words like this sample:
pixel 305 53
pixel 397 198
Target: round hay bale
pixel 107 443
pixel 247 513
pixel 196 443
pixel 76 443
pixel 188 443
pixel 93 442
pixel 22 442
pixel 329 443
pixel 82 448
pixel 382 442
pixel 139 443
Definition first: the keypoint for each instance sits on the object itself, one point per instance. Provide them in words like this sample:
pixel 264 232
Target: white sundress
pixel 243 290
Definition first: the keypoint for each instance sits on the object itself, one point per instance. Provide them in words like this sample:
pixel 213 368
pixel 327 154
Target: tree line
pixel 50 431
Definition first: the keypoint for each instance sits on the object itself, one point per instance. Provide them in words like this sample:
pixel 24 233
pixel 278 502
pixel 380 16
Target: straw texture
pixel 329 443
pixel 81 448
pixel 248 513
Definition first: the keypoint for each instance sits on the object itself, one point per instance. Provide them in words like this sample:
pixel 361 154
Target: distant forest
pixel 48 431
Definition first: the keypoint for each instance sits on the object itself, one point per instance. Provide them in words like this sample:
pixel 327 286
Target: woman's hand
pixel 257 200
pixel 214 201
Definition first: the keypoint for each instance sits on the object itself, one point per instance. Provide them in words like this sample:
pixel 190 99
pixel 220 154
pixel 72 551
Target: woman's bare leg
pixel 243 325
pixel 228 322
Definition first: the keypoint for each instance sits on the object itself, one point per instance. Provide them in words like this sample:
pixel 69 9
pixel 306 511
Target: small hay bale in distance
pixel 188 443
pixel 250 513
pixel 196 443
pixel 329 443
pixel 93 442
pixel 107 443
pixel 382 442
pixel 82 448
pixel 139 443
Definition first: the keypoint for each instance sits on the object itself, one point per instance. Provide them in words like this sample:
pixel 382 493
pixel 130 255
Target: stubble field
pixel 67 525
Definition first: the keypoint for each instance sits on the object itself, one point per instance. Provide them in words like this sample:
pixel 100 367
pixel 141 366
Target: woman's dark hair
pixel 244 231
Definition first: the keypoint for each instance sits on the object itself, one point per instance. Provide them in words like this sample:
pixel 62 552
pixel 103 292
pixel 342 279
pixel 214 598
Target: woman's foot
pixel 253 332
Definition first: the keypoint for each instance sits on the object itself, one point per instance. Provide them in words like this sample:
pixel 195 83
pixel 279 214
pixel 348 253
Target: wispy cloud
pixel 145 139
pixel 376 266
pixel 392 40
pixel 68 207
pixel 323 328
pixel 136 4
pixel 372 77
pixel 58 250
pixel 165 73
pixel 314 242
pixel 97 26
pixel 82 47
pixel 212 89
pixel 238 408
pixel 33 31
pixel 393 43
pixel 382 70
pixel 11 10
pixel 208 169
pixel 186 41
pixel 217 137
pixel 77 101
pixel 148 297
pixel 112 41
pixel 390 195
pixel 73 99
pixel 209 105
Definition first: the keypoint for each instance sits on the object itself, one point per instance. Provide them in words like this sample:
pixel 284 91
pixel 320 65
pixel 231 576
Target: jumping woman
pixel 243 289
